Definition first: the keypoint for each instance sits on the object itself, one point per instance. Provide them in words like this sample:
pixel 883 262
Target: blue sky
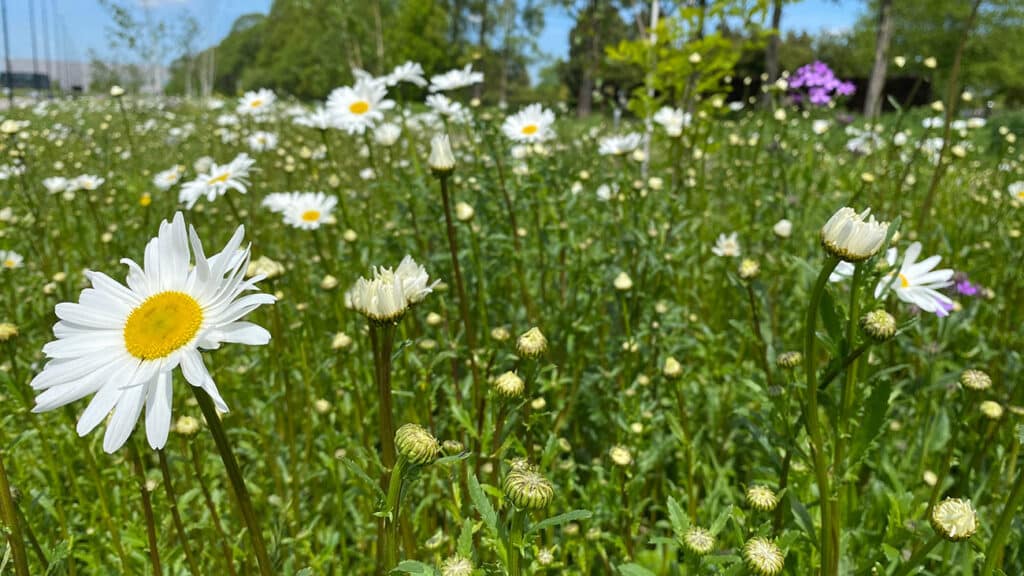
pixel 85 21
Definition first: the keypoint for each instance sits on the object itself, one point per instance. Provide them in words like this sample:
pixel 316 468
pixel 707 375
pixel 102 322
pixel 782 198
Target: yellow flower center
pixel 530 129
pixel 311 216
pixel 904 282
pixel 256 103
pixel 9 263
pixel 359 107
pixel 162 324
pixel 145 200
pixel 223 177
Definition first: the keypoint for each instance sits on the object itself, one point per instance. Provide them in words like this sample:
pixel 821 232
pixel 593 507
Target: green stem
pixel 172 499
pixel 391 510
pixel 147 508
pixel 995 547
pixel 220 438
pixel 515 542
pixel 842 424
pixel 828 540
pixel 9 514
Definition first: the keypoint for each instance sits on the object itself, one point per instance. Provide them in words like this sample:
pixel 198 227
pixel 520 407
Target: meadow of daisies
pixel 393 334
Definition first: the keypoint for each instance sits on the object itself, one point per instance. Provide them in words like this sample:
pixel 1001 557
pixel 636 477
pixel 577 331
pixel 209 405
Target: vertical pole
pixel 7 56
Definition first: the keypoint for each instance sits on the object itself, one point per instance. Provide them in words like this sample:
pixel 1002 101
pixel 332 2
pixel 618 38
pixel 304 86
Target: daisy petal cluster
pixel 918 283
pixel 217 180
pixel 673 120
pixel 618 145
pixel 356 108
pixel 851 236
pixel 304 210
pixel 531 124
pixel 455 79
pixel 390 293
pixel 256 102
pixel 122 343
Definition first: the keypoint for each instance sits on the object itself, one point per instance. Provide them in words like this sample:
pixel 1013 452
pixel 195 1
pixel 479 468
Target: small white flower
pixel 918 283
pixel 359 107
pixel 218 180
pixel 727 246
pixel 619 145
pixel 531 124
pixel 455 79
pixel 851 236
pixel 256 102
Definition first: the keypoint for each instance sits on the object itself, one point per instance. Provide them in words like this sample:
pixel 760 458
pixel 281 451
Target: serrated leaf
pixel 363 477
pixel 720 522
pixel 634 570
pixel 680 521
pixel 558 520
pixel 465 544
pixel 483 505
pixel 871 423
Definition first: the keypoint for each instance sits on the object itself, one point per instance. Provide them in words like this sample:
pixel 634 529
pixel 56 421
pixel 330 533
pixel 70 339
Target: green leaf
pixel 1020 433
pixel 720 522
pixel 634 570
pixel 680 521
pixel 830 317
pixel 414 567
pixel 559 520
pixel 872 422
pixel 483 505
pixel 803 518
pixel 363 477
pixel 465 544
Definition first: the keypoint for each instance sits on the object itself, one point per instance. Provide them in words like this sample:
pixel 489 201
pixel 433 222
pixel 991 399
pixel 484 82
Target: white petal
pixel 158 410
pixel 126 414
pixel 240 333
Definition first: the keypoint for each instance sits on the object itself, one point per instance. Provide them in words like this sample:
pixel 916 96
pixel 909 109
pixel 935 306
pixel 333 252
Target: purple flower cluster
pixel 820 84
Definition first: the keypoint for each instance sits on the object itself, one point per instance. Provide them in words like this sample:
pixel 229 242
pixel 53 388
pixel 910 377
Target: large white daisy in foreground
pixel 122 343
pixel 531 124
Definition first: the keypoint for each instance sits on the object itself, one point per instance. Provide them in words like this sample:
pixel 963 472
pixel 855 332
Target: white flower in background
pixel 167 178
pixel 918 283
pixel 359 107
pixel 261 141
pixel 218 180
pixel 86 182
pixel 277 201
pixel 387 134
pixel 447 108
pixel 388 294
pixel 727 246
pixel 783 228
pixel 256 102
pixel 203 164
pixel 9 260
pixel 976 122
pixel 673 120
pixel 862 141
pixel 122 343
pixel 851 236
pixel 55 184
pixel 844 269
pixel 441 159
pixel 933 122
pixel 736 106
pixel 531 124
pixel 605 192
pixel 1016 189
pixel 410 72
pixel 225 120
pixel 455 79
pixel 319 118
pixel 819 127
pixel 618 145
pixel 308 210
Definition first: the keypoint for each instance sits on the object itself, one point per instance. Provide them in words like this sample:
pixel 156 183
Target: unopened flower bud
pixel 452 447
pixel 762 498
pixel 789 360
pixel 698 541
pixel 442 160
pixel 749 269
pixel 879 325
pixel 532 344
pixel 416 444
pixel 527 489
pixel 763 557
pixel 954 519
pixel 509 385
pixel 975 380
pixel 672 368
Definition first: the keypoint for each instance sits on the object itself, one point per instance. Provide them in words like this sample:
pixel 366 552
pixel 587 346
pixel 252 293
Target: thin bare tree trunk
pixel 481 45
pixel 873 101
pixel 771 52
pixel 585 98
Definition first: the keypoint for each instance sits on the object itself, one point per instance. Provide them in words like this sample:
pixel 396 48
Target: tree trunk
pixel 873 101
pixel 585 97
pixel 481 46
pixel 771 52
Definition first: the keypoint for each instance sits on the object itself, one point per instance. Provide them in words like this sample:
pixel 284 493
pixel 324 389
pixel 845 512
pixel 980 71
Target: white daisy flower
pixel 673 120
pixel 305 210
pixel 359 107
pixel 277 201
pixel 410 72
pixel 727 246
pixel 261 141
pixel 319 118
pixel 387 134
pixel 87 182
pixel 256 102
pixel 531 124
pixel 454 111
pixel 9 260
pixel 455 79
pixel 618 145
pixel 1016 189
pixel 55 184
pixel 387 296
pixel 164 180
pixel 917 283
pixel 218 180
pixel 122 343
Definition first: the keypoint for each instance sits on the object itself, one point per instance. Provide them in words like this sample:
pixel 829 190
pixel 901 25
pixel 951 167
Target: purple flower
pixel 944 309
pixel 820 83
pixel 965 288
